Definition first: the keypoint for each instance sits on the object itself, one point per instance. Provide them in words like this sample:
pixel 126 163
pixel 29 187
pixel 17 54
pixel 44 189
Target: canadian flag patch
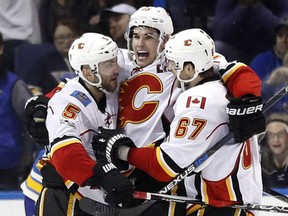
pixel 196 101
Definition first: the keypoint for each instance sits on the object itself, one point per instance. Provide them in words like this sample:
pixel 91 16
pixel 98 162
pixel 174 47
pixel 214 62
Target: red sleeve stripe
pixel 228 73
pixel 62 144
pixel 73 163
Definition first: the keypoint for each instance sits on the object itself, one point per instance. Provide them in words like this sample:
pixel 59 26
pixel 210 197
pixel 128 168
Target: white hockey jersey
pixel 73 115
pixel 73 112
pixel 148 95
pixel 233 173
pixel 143 98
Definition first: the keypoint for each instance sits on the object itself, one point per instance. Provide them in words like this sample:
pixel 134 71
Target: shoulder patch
pixel 83 98
pixel 196 101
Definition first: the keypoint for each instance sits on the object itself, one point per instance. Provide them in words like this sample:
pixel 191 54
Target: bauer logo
pixel 244 111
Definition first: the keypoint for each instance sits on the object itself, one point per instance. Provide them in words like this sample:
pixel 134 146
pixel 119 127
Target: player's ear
pixel 188 66
pixel 87 72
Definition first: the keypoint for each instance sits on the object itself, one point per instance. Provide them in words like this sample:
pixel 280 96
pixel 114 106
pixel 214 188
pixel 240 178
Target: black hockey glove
pixel 35 116
pixel 109 144
pixel 119 188
pixel 246 117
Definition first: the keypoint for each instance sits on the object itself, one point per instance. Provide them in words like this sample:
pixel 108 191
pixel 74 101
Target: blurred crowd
pixel 36 36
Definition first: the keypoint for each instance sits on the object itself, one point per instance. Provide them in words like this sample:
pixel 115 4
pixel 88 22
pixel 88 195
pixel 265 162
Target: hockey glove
pixel 35 116
pixel 119 188
pixel 245 117
pixel 113 146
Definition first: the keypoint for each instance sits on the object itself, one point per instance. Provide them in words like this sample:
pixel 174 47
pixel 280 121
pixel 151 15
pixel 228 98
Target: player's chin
pixel 111 87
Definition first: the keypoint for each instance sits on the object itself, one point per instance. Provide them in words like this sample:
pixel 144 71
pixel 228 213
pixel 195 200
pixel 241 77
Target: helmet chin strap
pixel 182 82
pixel 97 85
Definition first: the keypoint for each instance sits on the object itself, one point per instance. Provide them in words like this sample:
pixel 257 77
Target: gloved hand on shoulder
pixel 246 117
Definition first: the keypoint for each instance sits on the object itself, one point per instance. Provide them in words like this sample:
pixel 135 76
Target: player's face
pixel 109 71
pixel 277 137
pixel 145 42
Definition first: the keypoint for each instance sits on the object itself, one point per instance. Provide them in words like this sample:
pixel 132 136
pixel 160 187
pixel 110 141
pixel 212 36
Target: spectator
pixel 54 67
pixel 243 28
pixel 196 13
pixel 269 66
pixel 274 151
pixel 15 154
pixel 87 13
pixel 136 3
pixel 114 22
pixel 18 24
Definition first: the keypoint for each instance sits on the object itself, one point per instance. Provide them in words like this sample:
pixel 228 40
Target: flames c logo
pixel 80 45
pixel 187 42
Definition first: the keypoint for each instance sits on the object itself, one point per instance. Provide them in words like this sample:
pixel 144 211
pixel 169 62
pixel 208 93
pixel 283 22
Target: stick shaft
pixel 275 194
pixel 181 199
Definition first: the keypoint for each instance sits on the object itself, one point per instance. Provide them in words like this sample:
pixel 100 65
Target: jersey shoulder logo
pixel 196 101
pixel 82 97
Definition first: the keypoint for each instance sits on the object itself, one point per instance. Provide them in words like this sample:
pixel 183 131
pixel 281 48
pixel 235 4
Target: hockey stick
pixel 93 207
pixel 99 209
pixel 181 199
pixel 85 202
pixel 275 194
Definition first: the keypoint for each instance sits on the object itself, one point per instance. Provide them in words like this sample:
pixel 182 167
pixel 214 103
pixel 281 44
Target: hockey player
pixel 74 115
pixel 149 90
pixel 200 122
pixel 147 96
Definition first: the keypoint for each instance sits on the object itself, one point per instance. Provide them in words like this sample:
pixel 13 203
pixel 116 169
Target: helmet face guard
pixel 152 17
pixel 91 49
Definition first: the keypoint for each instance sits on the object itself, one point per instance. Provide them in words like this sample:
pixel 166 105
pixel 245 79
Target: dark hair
pixel 282 26
pixel 279 117
pixel 70 22
pixel 206 74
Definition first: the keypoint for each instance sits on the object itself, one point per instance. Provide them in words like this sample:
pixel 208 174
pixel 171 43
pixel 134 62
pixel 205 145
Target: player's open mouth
pixel 142 54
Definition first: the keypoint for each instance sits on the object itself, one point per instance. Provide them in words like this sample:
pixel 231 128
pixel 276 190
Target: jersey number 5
pixel 71 111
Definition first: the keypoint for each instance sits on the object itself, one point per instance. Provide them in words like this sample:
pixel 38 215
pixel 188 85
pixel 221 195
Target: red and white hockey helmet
pixel 191 45
pixel 153 17
pixel 91 49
